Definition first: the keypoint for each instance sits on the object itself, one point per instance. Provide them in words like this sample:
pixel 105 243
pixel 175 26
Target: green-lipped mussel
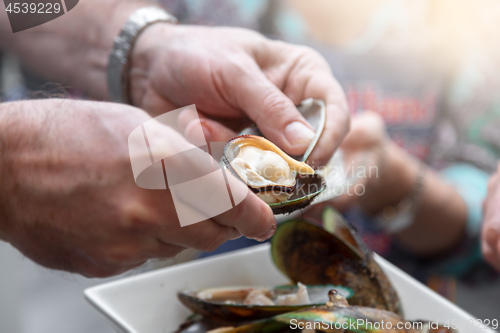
pixel 309 253
pixel 335 316
pixel 244 303
pixel 316 255
pixel 282 182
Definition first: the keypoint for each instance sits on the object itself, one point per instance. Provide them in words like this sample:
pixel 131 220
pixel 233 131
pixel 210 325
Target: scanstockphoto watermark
pixel 360 325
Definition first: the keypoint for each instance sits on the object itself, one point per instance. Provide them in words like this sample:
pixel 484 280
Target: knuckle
pixel 135 216
pixel 277 107
pixel 308 50
pixel 238 65
pixel 313 57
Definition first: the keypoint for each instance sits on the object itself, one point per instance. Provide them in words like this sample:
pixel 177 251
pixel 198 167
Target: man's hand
pixel 490 238
pixel 68 198
pixel 236 76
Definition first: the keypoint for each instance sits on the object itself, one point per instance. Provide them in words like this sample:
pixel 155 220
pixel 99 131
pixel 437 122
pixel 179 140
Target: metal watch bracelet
pixel 118 62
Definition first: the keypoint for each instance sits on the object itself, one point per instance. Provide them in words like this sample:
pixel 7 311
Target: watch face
pixel 26 14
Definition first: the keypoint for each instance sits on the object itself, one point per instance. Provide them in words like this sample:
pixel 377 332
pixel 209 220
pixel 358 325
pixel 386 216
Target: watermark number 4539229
pixel 26 14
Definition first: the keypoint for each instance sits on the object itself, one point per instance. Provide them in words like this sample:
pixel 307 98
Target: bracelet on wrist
pixel 119 57
pixel 396 218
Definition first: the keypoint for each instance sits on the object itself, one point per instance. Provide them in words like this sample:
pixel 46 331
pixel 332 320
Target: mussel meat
pixel 336 316
pixel 242 303
pixel 282 182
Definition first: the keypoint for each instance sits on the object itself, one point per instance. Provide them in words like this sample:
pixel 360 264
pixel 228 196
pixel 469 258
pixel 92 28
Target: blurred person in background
pixel 429 70
pixel 491 226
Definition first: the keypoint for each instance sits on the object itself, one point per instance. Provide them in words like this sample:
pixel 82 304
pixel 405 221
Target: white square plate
pixel 147 303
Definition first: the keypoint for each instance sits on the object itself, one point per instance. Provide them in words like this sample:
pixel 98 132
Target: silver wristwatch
pixel 118 62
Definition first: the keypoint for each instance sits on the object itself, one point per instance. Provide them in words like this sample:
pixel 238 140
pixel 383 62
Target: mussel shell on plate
pixel 308 253
pixel 219 310
pixel 325 318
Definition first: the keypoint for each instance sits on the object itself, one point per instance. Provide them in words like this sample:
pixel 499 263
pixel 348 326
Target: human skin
pixel 69 201
pixel 490 236
pixel 439 222
pixel 234 76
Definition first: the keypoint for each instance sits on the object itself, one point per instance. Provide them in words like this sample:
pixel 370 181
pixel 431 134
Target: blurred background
pixel 430 68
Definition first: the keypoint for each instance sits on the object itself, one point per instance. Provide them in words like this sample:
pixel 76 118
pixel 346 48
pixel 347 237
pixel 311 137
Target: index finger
pixel 312 78
pixel 337 123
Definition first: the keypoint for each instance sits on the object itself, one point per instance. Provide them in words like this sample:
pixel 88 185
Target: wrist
pixel 5 121
pixel 393 182
pixel 146 49
pixel 23 125
pixel 120 57
pixel 99 42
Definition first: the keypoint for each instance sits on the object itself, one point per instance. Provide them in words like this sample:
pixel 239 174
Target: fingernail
pixel 299 135
pixel 266 235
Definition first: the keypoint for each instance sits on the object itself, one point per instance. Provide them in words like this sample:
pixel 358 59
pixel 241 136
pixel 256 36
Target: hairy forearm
pixel 23 125
pixel 441 216
pixel 7 113
pixel 74 48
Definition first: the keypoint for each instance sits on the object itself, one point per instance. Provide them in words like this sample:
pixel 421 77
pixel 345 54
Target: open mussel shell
pixel 230 308
pixel 306 190
pixel 335 316
pixel 296 186
pixel 308 253
pixel 325 319
pixel 314 112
